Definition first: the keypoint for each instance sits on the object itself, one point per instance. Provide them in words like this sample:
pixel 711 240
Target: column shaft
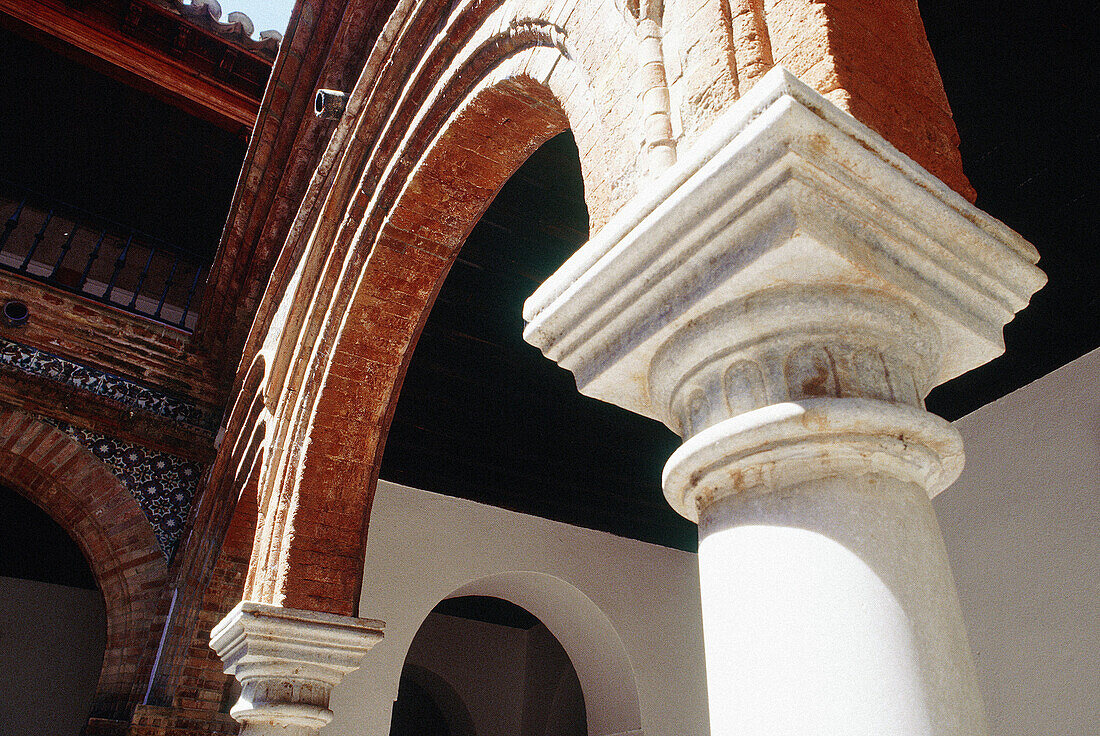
pixel 784 298
pixel 829 608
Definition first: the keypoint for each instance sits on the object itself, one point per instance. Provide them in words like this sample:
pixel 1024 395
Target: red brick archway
pixel 315 504
pixel 82 495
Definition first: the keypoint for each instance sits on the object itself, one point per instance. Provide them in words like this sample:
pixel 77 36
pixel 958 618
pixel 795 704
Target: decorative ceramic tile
pixel 162 484
pixel 54 367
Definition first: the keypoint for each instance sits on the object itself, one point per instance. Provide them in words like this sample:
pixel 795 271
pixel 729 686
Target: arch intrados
pixel 376 317
pixel 421 104
pixel 586 634
pixel 71 493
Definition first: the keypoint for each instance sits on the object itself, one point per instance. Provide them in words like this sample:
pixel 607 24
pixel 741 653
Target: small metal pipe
pixel 329 104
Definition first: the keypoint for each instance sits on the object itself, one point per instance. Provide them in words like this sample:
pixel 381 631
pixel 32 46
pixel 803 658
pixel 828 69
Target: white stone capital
pixel 788 227
pixel 287 662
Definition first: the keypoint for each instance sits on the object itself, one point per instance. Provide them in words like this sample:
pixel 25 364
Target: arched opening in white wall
pixel 52 624
pixel 587 638
pixel 626 613
pixel 482 666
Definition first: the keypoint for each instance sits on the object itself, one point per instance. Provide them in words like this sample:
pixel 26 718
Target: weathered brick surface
pixel 873 60
pixel 161 721
pixel 209 571
pixel 339 238
pixel 325 45
pixel 85 498
pixel 110 339
pixel 201 684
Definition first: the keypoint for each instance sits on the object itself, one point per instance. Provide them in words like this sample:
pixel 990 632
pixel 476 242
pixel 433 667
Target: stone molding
pixel 786 444
pixel 785 189
pixel 289 660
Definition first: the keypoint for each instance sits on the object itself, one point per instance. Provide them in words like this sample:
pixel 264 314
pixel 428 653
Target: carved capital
pixel 784 298
pixel 789 206
pixel 288 661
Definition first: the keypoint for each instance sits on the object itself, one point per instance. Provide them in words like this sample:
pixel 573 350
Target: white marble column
pixel 287 662
pixel 784 298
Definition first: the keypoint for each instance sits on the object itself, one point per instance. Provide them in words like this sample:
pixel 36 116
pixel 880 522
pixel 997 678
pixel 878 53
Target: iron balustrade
pixel 71 249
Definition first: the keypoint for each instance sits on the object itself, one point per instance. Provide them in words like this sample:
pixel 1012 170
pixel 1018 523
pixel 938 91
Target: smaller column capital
pixel 288 661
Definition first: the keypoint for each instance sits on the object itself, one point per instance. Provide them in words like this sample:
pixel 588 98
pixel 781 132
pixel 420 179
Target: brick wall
pixel 202 683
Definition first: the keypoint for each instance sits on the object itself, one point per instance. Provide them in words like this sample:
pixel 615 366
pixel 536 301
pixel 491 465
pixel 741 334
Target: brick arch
pixel 82 495
pixel 316 512
pixel 211 548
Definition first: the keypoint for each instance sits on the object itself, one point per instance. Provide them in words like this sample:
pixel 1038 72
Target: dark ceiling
pixel 34 547
pixel 1023 86
pixel 484 416
pixel 77 136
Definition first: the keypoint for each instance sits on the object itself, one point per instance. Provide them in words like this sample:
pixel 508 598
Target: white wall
pixel 423 547
pixel 1022 527
pixel 51 651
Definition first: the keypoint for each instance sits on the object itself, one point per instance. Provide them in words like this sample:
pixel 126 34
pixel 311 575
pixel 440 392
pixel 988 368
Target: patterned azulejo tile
pixel 54 367
pixel 163 484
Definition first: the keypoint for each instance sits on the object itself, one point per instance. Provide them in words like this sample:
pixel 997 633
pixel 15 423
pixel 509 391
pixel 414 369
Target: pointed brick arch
pixel 82 495
pixel 314 561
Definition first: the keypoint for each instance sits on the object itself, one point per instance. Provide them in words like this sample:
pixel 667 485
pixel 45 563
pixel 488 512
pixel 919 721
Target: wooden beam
pixel 176 80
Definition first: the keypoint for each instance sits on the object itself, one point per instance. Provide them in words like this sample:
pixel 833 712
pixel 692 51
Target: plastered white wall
pixel 423 547
pixel 51 650
pixel 1022 527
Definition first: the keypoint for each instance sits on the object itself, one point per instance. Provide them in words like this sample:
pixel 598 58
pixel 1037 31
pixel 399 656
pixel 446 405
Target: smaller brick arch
pixel 82 495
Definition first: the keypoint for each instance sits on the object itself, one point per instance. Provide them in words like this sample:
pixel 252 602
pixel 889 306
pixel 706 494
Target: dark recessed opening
pixel 16 313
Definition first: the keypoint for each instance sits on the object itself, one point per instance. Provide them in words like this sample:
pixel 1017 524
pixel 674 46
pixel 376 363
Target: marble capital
pixel 288 661
pixel 789 226
pixel 784 298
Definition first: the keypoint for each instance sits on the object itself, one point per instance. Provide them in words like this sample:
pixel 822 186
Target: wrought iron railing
pixel 74 250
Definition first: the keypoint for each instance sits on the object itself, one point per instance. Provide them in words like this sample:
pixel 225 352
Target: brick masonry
pixel 338 241
pixel 82 494
pixel 162 484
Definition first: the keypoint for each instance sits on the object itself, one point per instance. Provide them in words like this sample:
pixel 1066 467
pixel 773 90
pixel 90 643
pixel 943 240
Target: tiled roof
pixel 236 27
